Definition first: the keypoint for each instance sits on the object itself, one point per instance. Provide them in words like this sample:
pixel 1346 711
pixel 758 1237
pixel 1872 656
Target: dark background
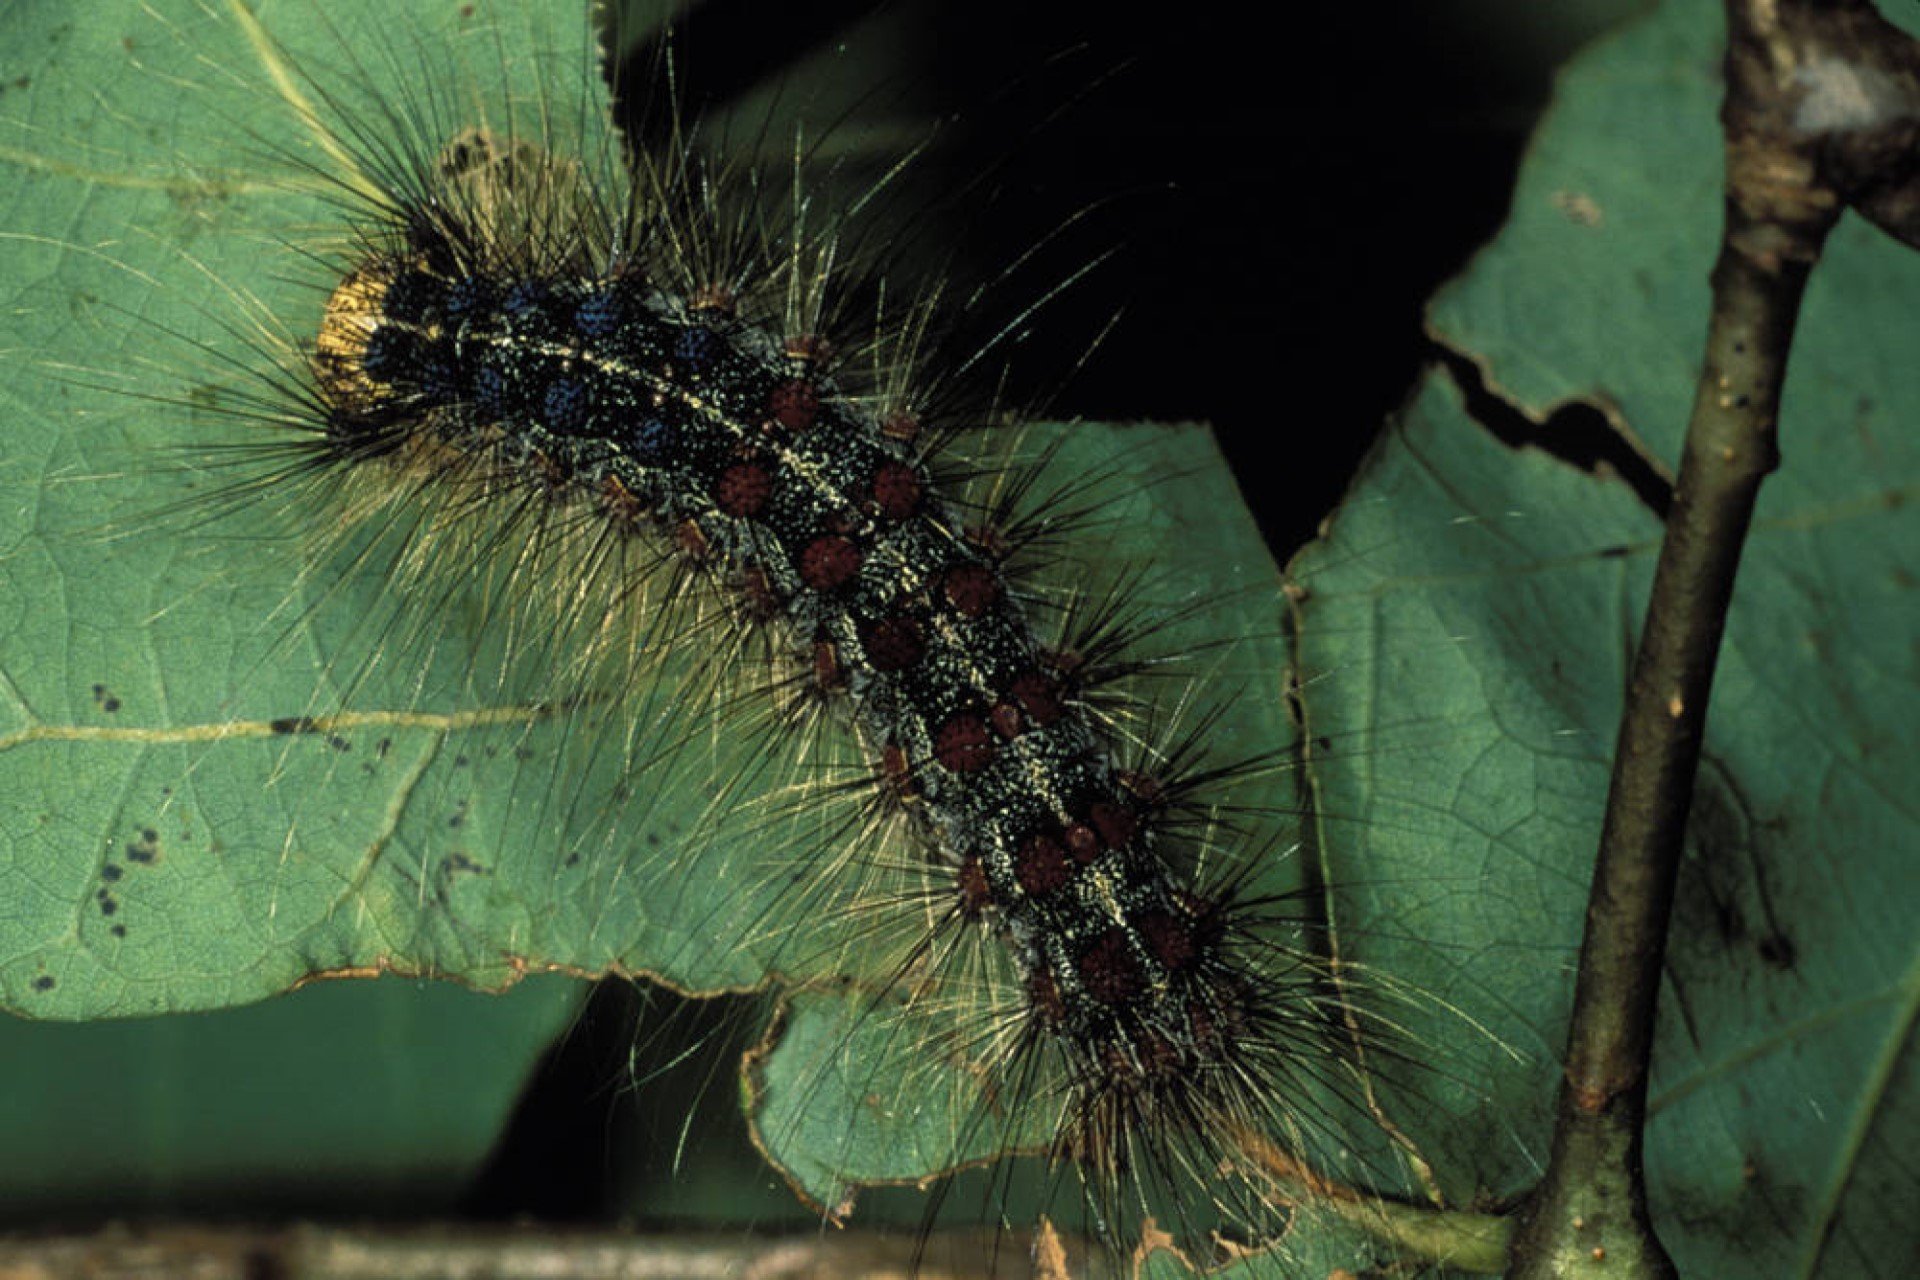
pixel 1259 199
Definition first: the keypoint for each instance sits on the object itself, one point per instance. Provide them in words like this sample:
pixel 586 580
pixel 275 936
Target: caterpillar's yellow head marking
pixel 354 311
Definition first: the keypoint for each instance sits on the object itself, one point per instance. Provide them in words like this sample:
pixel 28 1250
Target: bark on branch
pixel 1822 113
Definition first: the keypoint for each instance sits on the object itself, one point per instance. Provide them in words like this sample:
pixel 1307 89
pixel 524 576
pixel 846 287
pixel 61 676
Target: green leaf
pixel 159 671
pixel 1473 683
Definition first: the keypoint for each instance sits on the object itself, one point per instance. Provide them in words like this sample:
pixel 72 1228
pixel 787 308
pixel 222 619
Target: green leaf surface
pixel 1596 288
pixel 346 1097
pixel 1784 1074
pixel 173 839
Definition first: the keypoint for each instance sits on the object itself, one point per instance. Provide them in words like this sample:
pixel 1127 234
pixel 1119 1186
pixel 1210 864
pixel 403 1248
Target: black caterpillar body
pixel 565 373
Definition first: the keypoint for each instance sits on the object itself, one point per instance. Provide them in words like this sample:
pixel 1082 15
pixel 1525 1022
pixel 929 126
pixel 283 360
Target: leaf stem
pixel 1457 1238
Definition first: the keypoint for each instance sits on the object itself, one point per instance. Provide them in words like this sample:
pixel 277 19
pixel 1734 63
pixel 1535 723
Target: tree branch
pixel 457 1251
pixel 1822 112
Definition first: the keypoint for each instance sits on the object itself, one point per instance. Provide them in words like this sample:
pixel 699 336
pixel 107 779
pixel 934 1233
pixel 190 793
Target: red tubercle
pixel 743 489
pixel 547 469
pixel 896 490
pixel 1109 971
pixel 1114 823
pixel 829 561
pixel 1153 1056
pixel 1206 917
pixel 1064 663
pixel 892 643
pixel 1107 826
pixel 1223 1016
pixel 1040 865
pixel 971 589
pixel 794 404
pixel 963 744
pixel 1083 843
pixel 1006 720
pixel 1201 1024
pixel 1040 697
pixel 1144 787
pixel 1197 906
pixel 1169 939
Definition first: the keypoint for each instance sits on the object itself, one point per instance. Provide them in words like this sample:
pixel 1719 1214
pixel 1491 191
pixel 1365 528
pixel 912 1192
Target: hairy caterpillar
pixel 198 813
pixel 517 707
pixel 513 337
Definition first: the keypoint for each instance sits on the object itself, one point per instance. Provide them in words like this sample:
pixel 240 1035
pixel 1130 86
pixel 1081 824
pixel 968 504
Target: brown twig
pixel 457 1251
pixel 1822 112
